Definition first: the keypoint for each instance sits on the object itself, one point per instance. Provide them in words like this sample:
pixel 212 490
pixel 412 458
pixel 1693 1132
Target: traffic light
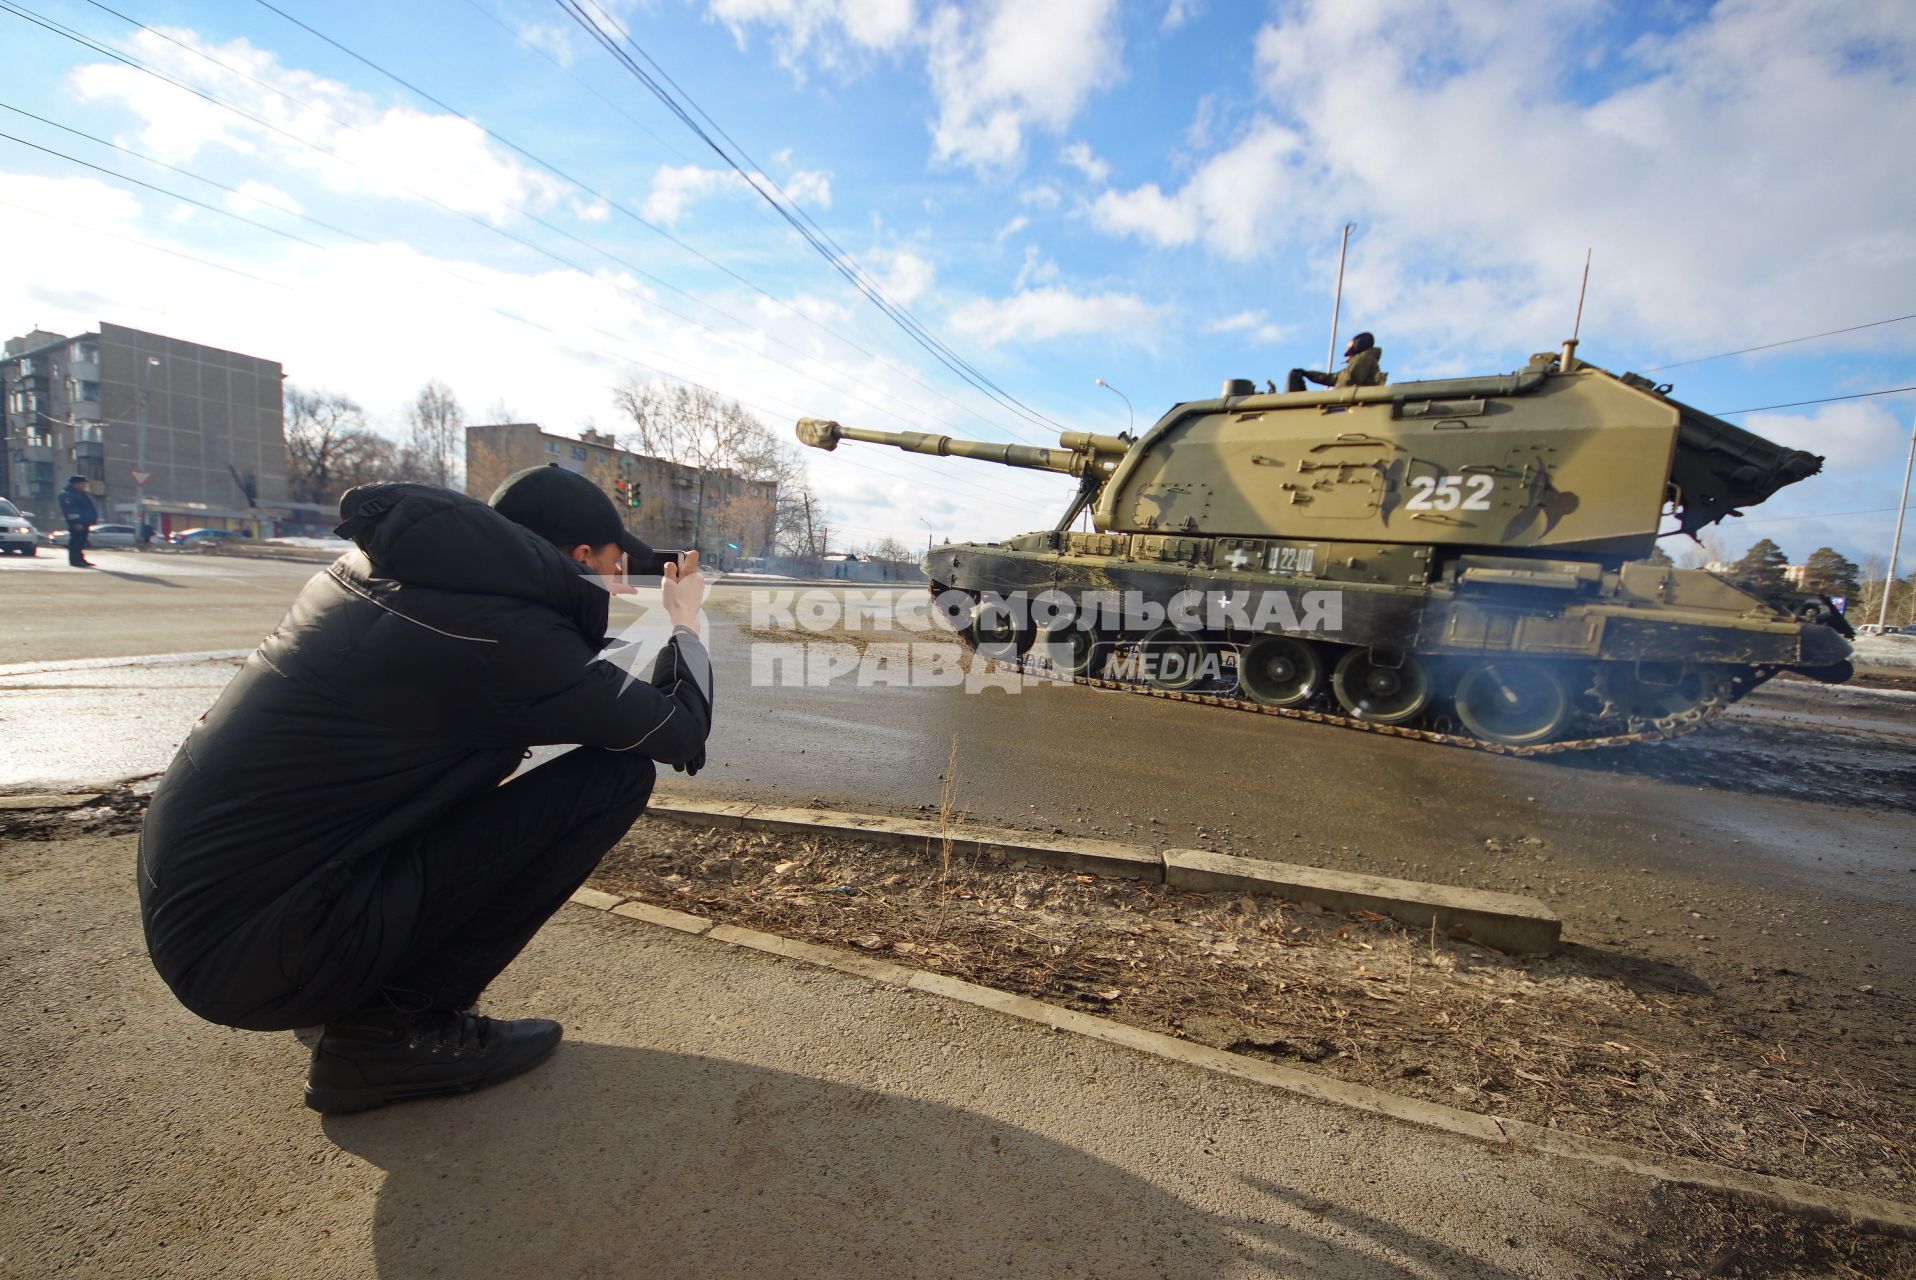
pixel 626 492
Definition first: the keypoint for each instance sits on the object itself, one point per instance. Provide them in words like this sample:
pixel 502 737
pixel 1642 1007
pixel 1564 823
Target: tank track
pixel 1662 731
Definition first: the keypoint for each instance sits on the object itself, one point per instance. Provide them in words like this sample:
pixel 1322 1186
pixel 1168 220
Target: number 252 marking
pixel 1450 493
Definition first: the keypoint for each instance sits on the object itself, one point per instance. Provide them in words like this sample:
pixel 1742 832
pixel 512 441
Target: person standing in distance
pixel 340 840
pixel 77 509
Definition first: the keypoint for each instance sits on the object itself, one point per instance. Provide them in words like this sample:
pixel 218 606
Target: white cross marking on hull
pixel 1238 558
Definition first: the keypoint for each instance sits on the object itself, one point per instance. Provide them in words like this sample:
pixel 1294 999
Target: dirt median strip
pixel 1508 922
pixel 1867 1212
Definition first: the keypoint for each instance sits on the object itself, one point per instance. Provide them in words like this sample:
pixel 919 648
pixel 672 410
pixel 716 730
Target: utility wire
pixel 569 178
pixel 834 255
pixel 62 220
pixel 1770 346
pixel 473 218
pixel 1797 404
pixel 572 75
pixel 476 220
pixel 497 310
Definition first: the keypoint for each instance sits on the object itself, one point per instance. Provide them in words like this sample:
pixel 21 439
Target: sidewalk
pixel 713 1112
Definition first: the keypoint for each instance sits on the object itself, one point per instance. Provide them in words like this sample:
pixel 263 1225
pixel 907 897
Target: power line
pixel 497 310
pixel 143 244
pixel 833 254
pixel 1797 404
pixel 1822 515
pixel 582 186
pixel 480 222
pixel 1770 346
pixel 574 76
pixel 532 217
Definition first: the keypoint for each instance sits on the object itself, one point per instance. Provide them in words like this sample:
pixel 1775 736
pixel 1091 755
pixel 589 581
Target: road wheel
pixel 996 634
pixel 1280 671
pixel 1174 659
pixel 1659 697
pixel 1381 693
pixel 1514 702
pixel 1075 650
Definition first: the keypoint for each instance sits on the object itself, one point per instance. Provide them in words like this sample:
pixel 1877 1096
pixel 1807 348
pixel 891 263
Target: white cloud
pixel 1037 268
pixel 1010 229
pixel 1007 68
pixel 1733 180
pixel 809 187
pixel 1042 196
pixel 1039 315
pixel 677 187
pixel 376 321
pixel 1179 12
pixel 824 30
pixel 900 274
pixel 253 196
pixel 1080 157
pixel 550 37
pixel 1232 203
pixel 1857 435
pixel 393 152
pixel 1254 325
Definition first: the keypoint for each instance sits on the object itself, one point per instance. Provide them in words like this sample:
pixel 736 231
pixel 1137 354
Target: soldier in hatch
pixel 1360 368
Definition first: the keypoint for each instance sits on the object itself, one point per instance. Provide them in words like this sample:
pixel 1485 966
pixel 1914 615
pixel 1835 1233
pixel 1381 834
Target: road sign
pixel 141 477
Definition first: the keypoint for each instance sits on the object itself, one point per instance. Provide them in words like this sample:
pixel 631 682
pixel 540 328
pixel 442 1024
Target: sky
pixel 1149 193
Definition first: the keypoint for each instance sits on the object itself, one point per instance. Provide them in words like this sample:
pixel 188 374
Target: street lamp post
pixel 1131 419
pixel 1896 543
pixel 927 524
pixel 139 465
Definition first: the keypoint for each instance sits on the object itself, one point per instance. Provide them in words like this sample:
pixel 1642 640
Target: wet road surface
pixel 1786 832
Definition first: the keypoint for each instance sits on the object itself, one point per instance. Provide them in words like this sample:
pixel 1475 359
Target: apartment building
pixel 202 426
pixel 723 514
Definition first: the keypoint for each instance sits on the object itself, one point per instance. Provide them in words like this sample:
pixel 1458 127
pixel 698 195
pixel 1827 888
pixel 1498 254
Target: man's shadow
pixel 146 578
pixel 612 1160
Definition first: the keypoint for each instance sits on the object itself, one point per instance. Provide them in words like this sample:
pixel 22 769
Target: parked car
pixel 17 534
pixel 102 535
pixel 188 537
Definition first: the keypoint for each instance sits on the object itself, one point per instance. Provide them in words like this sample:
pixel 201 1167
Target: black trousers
pixel 77 543
pixel 458 902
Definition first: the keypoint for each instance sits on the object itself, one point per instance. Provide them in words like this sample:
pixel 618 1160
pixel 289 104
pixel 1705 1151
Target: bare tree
pixel 437 424
pixel 328 447
pixel 695 427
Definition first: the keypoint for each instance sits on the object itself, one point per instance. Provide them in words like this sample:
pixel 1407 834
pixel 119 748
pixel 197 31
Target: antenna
pixel 1577 328
pixel 1337 302
pixel 1569 359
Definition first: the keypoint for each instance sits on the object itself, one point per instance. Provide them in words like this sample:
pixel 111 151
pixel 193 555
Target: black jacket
pixel 410 675
pixel 77 507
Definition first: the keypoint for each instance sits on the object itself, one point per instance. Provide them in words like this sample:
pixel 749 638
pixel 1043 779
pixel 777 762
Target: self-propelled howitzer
pixel 1472 552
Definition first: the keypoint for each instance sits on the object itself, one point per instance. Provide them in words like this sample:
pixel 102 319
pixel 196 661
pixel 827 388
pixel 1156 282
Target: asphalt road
pixel 1786 837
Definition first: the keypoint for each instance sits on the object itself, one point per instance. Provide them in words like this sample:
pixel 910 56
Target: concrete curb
pixel 1826 1204
pixel 1507 922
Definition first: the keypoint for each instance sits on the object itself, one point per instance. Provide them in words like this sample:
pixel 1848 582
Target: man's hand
pixel 684 591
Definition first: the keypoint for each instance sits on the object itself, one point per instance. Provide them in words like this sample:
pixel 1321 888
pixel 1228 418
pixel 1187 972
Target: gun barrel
pixel 1078 451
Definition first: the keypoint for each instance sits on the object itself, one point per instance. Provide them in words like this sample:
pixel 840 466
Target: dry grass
pixel 1583 1040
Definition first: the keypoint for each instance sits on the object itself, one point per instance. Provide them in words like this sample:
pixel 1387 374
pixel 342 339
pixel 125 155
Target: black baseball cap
pixel 567 510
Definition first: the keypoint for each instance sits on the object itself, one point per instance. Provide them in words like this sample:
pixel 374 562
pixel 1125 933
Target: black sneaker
pixel 366 1062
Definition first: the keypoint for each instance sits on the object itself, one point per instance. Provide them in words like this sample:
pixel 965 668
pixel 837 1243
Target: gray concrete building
pixel 726 516
pixel 215 445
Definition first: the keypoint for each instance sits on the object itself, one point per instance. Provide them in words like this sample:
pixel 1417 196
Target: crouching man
pixel 332 845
